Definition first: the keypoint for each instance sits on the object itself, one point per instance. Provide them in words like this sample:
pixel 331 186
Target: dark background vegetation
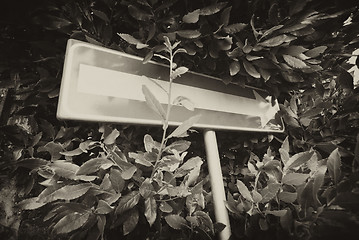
pixel 297 50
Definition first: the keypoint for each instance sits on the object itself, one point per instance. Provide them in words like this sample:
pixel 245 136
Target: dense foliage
pixel 105 181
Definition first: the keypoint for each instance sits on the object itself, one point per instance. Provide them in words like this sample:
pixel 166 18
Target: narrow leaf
pixel 150 210
pixel 278 213
pixel 243 190
pixel 318 181
pixel 333 165
pixel 111 138
pixel 103 207
pixel 153 103
pixel 181 129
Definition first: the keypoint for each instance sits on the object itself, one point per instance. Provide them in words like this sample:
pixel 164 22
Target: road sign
pixel 101 84
pixel 104 85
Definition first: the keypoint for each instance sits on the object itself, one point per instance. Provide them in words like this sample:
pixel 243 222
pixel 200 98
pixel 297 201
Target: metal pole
pixel 215 173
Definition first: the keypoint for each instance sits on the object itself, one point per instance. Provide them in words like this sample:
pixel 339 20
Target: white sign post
pixel 105 85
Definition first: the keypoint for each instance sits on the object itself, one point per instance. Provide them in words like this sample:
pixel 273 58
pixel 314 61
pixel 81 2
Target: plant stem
pixel 165 126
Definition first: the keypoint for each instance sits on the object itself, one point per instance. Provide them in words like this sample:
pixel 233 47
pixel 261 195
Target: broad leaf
pixel 101 15
pixel 139 14
pixel 128 173
pixel 278 213
pixel 275 41
pixel 333 165
pixel 257 197
pixel 294 178
pixel 191 17
pixel 234 28
pixel 234 68
pixel 269 192
pixel 204 221
pixel 185 102
pixel 103 207
pixel 32 163
pixel 150 144
pixel 288 197
pixel 297 160
pixel 131 222
pixel 68 192
pixel 178 146
pixel 243 190
pixel 318 181
pixel 178 72
pixel 294 62
pixel 68 170
pixel 190 34
pixel 93 165
pixel 111 138
pixel 181 129
pixel 30 204
pixel 315 52
pixel 251 70
pixel 127 202
pixel 212 9
pixel 117 182
pixel 150 210
pixel 153 103
pixel 175 221
pixel 71 222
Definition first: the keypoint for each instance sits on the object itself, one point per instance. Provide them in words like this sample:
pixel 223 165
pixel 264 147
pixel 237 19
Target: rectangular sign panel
pixel 105 85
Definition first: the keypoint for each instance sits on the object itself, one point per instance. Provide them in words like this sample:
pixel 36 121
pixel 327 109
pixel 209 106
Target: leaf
pixel 181 129
pixel 175 221
pixel 93 165
pixel 191 17
pixel 153 103
pixel 101 15
pixel 212 9
pixel 32 163
pixel 103 207
pixel 131 40
pixel 71 222
pixel 178 72
pixel 243 190
pixel 111 138
pixel 294 62
pixel 257 197
pixel 68 170
pixel 150 210
pixel 30 204
pixel 333 165
pixel 185 102
pixel 251 70
pixel 234 28
pixel 117 182
pixel 275 41
pixel 150 144
pixel 139 14
pixel 271 30
pixel 288 197
pixel 294 178
pixel 131 222
pixel 318 181
pixel 269 192
pixel 127 202
pixel 165 207
pixel 68 192
pixel 128 173
pixel 178 146
pixel 204 221
pixel 297 160
pixel 315 52
pixel 190 34
pixel 234 68
pixel 225 15
pixel 278 213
